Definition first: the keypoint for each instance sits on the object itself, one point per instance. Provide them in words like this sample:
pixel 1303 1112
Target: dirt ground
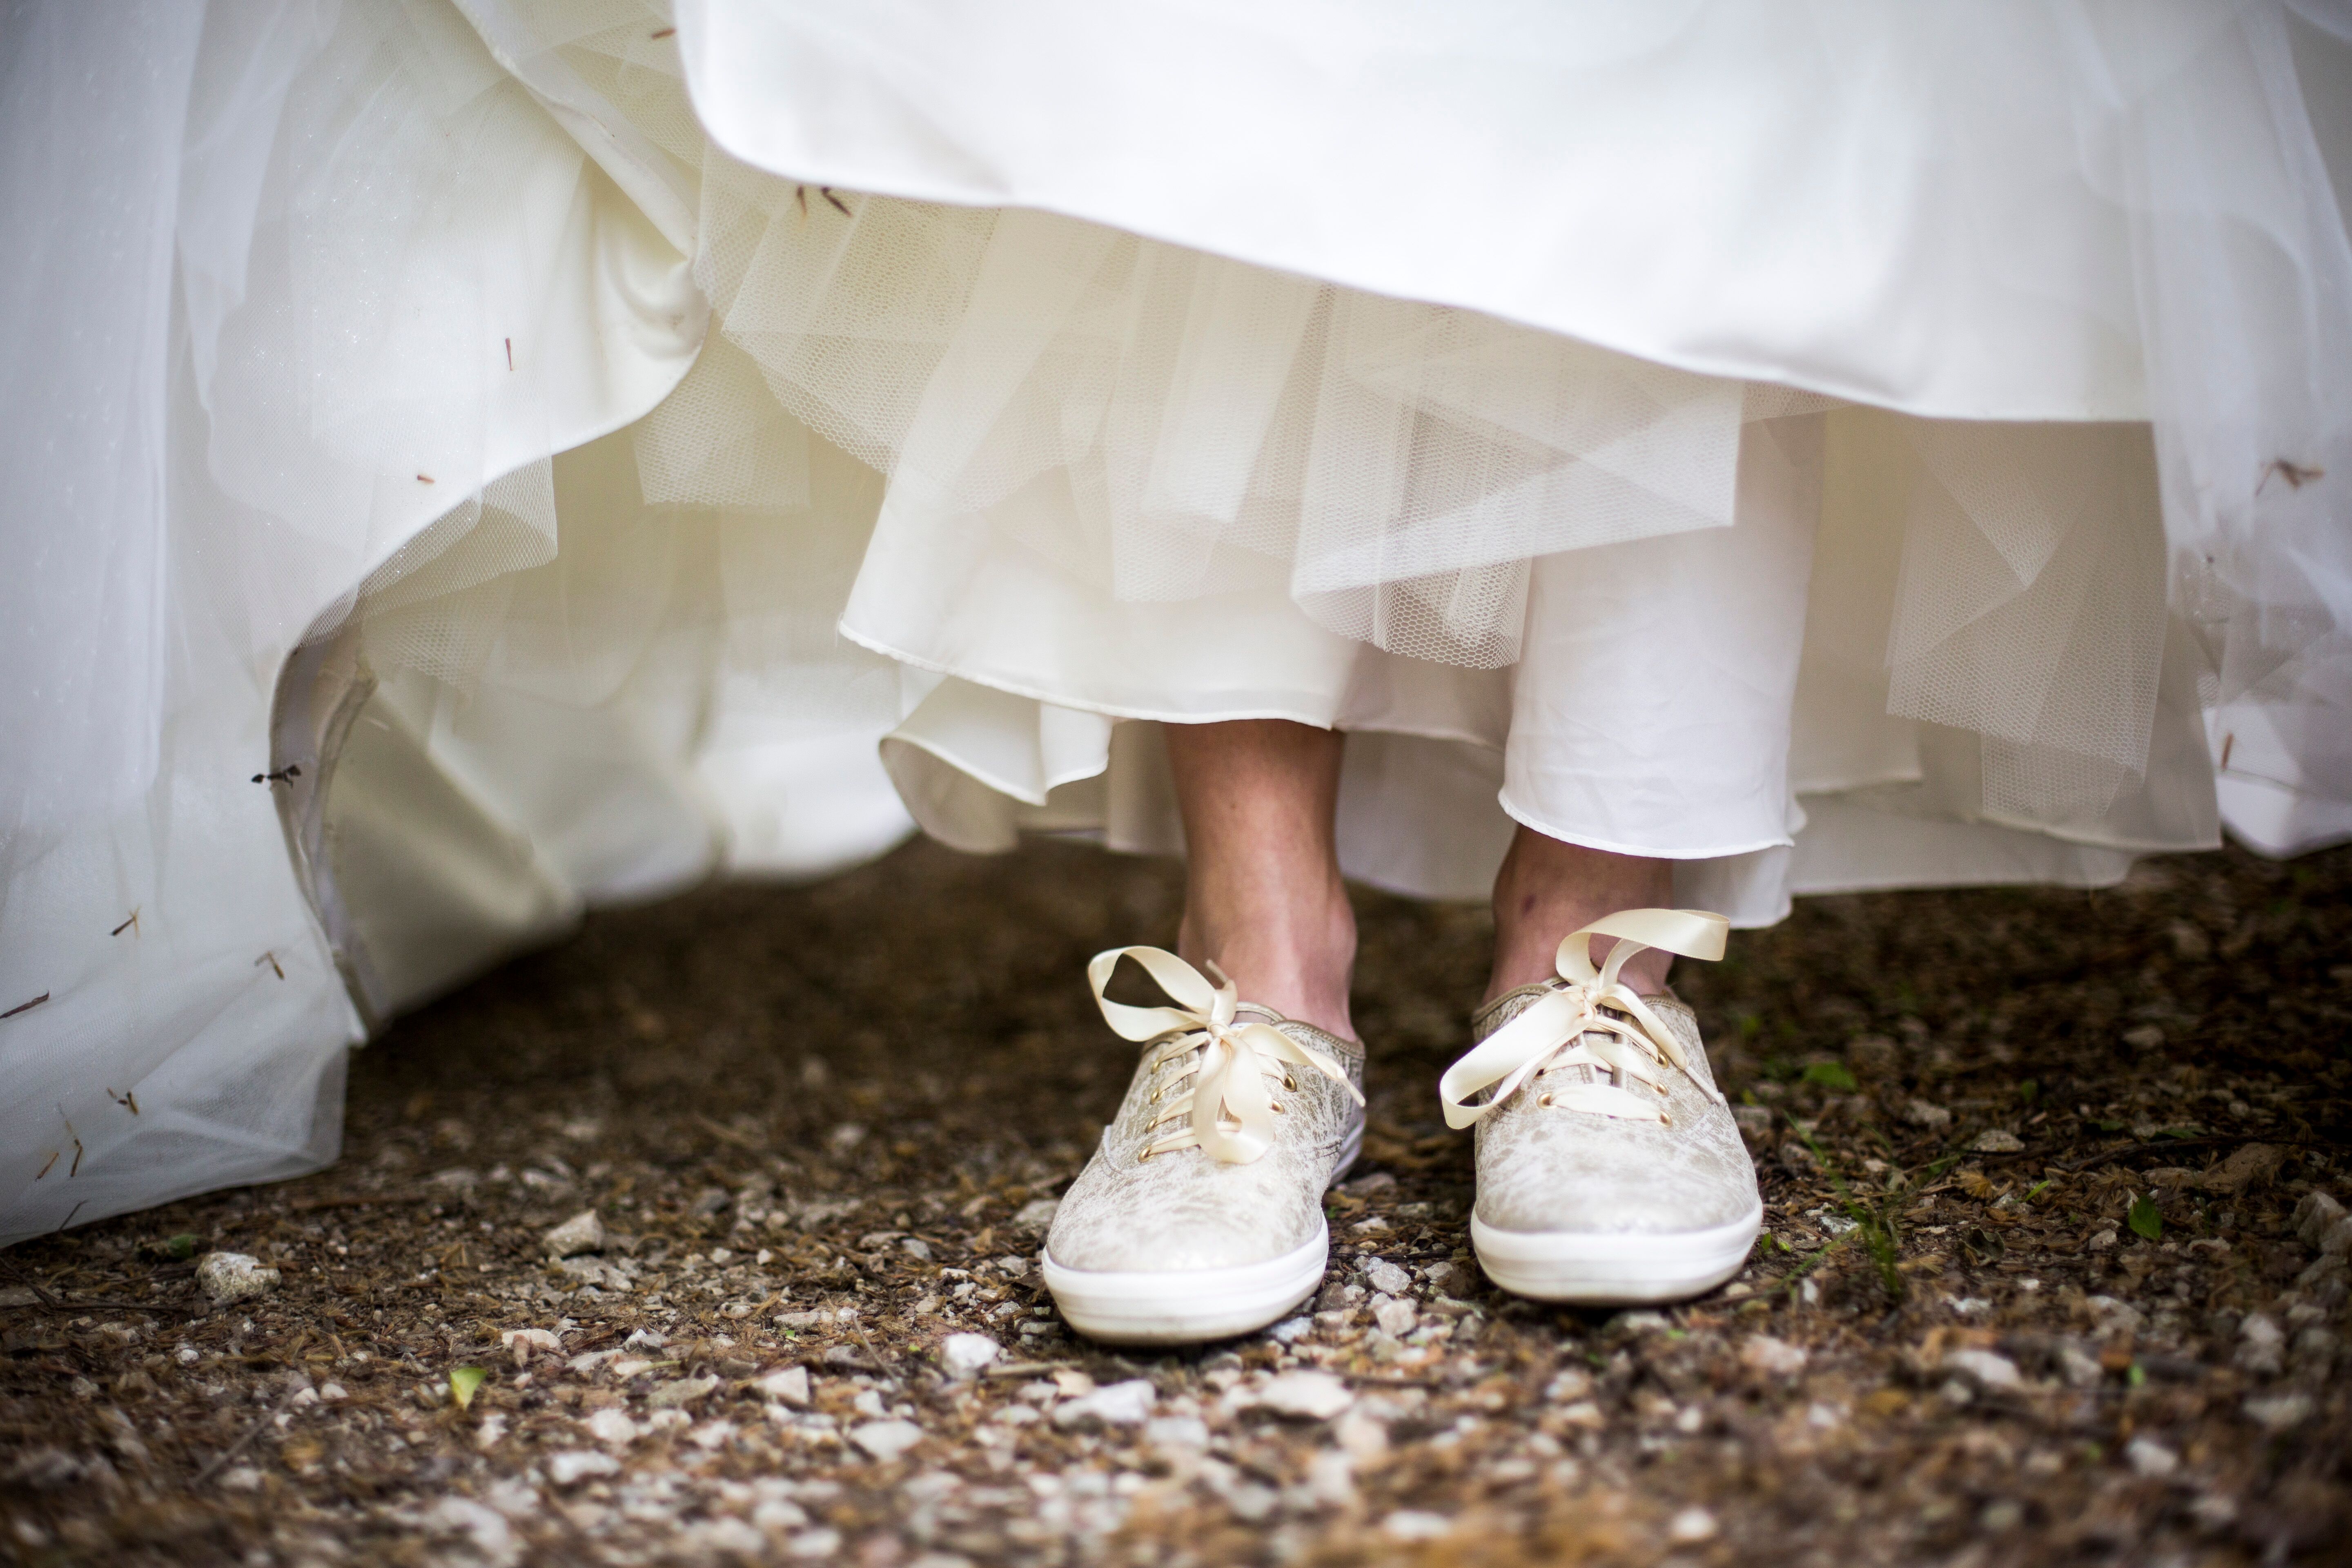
pixel 2054 1272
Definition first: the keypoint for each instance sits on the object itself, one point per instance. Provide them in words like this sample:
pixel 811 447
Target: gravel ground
pixel 2053 1273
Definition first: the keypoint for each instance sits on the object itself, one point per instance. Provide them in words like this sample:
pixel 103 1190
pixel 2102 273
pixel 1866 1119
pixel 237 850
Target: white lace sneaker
pixel 1609 1170
pixel 1201 1214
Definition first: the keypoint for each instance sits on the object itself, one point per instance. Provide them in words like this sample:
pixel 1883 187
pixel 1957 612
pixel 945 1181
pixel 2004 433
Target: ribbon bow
pixel 1595 1020
pixel 1229 1106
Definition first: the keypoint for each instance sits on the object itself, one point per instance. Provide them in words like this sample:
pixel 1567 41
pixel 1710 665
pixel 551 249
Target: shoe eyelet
pixel 1290 1083
pixel 1544 1099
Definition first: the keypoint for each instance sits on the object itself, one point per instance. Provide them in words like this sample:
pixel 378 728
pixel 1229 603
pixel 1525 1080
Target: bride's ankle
pixel 1296 963
pixel 1546 888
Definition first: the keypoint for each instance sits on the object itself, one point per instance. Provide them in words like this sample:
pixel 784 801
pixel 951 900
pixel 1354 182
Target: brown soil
pixel 784 1103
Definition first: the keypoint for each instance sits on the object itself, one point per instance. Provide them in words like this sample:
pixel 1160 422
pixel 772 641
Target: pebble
pixel 613 1426
pixel 1414 1524
pixel 229 1277
pixel 583 1232
pixel 1998 1140
pixel 1176 1432
pixel 964 1354
pixel 790 1385
pixel 1312 1396
pixel 1691 1526
pixel 2151 1459
pixel 1774 1358
pixel 2115 1320
pixel 1992 1371
pixel 1037 1215
pixel 1125 1404
pixel 577 1465
pixel 680 1391
pixel 1387 1277
pixel 2316 1213
pixel 2278 1413
pixel 1395 1317
pixel 886 1441
pixel 1934 1118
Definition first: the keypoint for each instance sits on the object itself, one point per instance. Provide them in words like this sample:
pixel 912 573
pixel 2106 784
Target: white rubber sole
pixel 1134 1307
pixel 1613 1271
pixel 1179 1309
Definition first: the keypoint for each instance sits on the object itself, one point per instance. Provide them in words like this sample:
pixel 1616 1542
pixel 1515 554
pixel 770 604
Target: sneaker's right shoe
pixel 1610 1169
pixel 1201 1214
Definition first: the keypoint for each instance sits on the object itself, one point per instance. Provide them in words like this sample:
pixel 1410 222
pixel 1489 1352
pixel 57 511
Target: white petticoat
pixel 449 490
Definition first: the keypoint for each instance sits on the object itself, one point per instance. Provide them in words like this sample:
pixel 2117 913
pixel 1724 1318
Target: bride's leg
pixel 1546 888
pixel 1263 897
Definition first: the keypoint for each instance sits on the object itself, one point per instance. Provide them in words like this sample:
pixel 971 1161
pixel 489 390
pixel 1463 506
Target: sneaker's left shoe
pixel 1610 1169
pixel 1201 1214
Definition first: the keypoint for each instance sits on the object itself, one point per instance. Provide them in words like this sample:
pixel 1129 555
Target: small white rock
pixel 1396 1319
pixel 1037 1215
pixel 812 1543
pixel 727 1537
pixel 1992 1371
pixel 1934 1118
pixel 1125 1404
pixel 1998 1140
pixel 1414 1524
pixel 232 1276
pixel 965 1355
pixel 522 1343
pixel 583 1232
pixel 779 1513
pixel 1690 1527
pixel 680 1391
pixel 613 1426
pixel 2315 1217
pixel 2280 1412
pixel 2113 1318
pixel 1773 1358
pixel 2079 1369
pixel 790 1385
pixel 1311 1396
pixel 575 1465
pixel 2149 1457
pixel 1386 1276
pixel 886 1441
pixel 1176 1432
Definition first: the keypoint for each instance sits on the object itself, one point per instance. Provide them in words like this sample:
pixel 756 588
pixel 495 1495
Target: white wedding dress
pixel 471 459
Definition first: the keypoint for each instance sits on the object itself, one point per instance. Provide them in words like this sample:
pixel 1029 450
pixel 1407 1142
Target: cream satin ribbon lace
pixel 1596 1021
pixel 1229 1107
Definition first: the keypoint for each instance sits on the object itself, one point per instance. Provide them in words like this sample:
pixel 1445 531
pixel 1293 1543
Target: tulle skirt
pixel 480 459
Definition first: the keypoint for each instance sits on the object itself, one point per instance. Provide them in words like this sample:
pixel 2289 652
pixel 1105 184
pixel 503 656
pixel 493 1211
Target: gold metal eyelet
pixel 1543 1099
pixel 1290 1083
